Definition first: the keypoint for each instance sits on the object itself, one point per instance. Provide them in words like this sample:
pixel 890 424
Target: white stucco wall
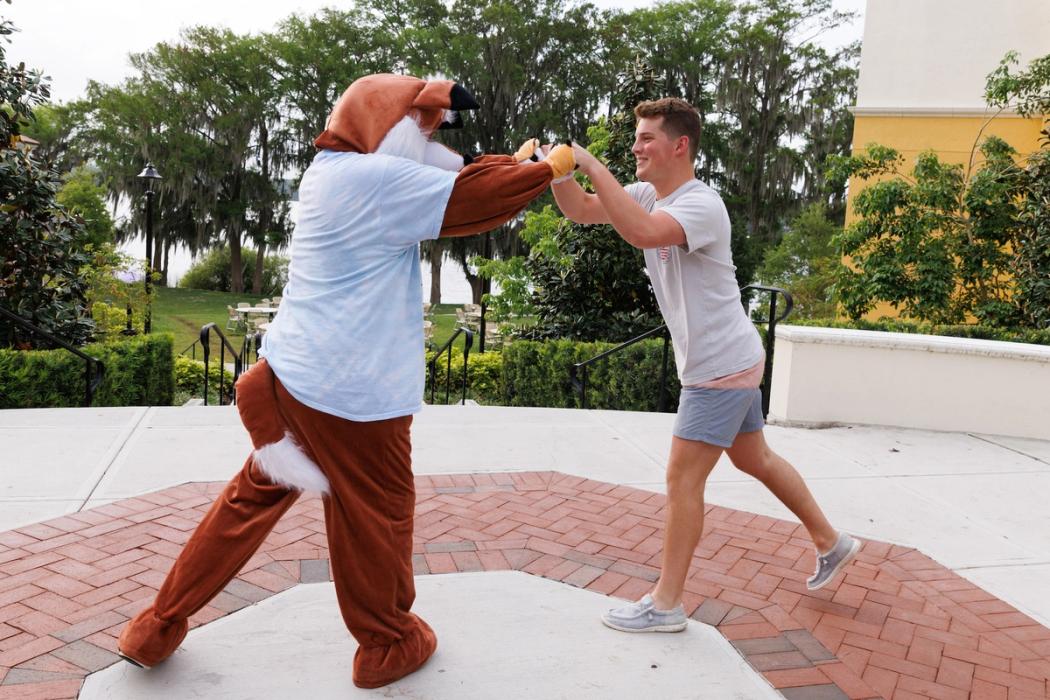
pixel 934 55
pixel 830 376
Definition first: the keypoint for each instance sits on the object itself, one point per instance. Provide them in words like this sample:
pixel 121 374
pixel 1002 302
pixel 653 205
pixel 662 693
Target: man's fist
pixel 527 151
pixel 561 160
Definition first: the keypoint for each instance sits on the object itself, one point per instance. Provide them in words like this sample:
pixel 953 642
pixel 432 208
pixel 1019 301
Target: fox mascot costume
pixel 330 405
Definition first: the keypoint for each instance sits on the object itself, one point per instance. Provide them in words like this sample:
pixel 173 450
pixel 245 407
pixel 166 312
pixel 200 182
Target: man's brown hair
pixel 680 119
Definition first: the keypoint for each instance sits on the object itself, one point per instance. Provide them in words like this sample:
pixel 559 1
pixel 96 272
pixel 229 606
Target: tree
pixel 948 243
pixel 83 197
pixel 805 263
pixel 932 244
pixel 586 282
pixel 532 66
pixel 773 104
pixel 50 127
pixel 203 110
pixel 40 244
pixel 1028 92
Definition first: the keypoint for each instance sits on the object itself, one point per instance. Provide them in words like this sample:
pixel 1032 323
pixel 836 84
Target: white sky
pixel 76 40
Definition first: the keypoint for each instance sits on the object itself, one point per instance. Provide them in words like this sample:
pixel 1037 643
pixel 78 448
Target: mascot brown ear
pixel 372 105
pixel 461 99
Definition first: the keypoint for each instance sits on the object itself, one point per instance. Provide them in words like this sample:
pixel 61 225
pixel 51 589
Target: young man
pixel 683 227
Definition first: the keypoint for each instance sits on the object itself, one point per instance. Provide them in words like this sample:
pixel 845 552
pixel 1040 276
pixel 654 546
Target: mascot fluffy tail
pixel 277 454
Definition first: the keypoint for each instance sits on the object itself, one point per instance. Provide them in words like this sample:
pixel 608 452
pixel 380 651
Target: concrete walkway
pixel 972 503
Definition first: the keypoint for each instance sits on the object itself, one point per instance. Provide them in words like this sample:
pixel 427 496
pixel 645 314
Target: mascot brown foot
pixel 148 640
pixel 376 666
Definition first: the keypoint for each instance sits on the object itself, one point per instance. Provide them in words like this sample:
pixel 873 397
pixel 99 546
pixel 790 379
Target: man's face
pixel 653 148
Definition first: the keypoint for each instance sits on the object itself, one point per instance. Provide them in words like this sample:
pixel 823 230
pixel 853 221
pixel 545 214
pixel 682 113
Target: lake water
pixel 454 286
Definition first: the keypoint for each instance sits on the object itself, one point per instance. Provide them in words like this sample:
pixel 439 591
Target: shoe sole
pixel 677 627
pixel 838 567
pixel 132 661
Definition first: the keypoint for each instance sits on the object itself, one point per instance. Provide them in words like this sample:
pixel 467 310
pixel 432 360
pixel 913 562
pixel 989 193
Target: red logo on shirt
pixel 665 253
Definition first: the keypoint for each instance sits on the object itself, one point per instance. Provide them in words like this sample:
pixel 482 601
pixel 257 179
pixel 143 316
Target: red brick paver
pixel 896 625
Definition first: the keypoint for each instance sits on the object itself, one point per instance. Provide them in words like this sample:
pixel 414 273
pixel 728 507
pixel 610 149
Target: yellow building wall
pixel 951 137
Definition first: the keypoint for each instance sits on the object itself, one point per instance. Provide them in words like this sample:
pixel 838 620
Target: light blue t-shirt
pixel 348 339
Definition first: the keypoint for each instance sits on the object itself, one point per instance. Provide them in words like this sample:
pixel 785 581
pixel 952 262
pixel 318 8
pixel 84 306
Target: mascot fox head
pixel 397 115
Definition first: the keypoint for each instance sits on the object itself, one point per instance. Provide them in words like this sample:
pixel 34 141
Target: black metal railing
pixel 771 322
pixel 205 340
pixel 446 349
pixel 94 370
pixel 578 372
pixel 192 349
pixel 251 343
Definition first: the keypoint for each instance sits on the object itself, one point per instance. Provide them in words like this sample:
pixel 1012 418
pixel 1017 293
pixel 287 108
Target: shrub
pixel 41 244
pixel 139 372
pixel 189 379
pixel 484 379
pixel 212 271
pixel 537 374
pixel 896 325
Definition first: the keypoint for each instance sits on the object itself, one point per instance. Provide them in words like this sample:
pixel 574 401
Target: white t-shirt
pixel 348 339
pixel 696 287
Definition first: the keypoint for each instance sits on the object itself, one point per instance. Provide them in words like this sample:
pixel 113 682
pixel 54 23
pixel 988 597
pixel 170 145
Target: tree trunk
pixel 264 216
pixel 236 266
pixel 436 256
pixel 167 256
pixel 157 264
pixel 257 277
pixel 477 287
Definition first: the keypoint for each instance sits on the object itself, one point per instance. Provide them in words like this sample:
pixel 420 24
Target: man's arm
pixel 577 205
pixel 634 224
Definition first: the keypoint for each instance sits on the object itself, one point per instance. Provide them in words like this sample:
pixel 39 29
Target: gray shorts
pixel 716 416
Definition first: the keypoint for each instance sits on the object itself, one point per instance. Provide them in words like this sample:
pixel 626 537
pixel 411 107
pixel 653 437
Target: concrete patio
pixel 529 523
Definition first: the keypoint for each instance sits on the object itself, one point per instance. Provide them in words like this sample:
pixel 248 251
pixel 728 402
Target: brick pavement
pixel 896 625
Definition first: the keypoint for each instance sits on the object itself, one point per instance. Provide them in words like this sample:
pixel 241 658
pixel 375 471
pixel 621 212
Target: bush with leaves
pixel 484 379
pixel 935 245
pixel 1033 336
pixel 536 373
pixel 189 380
pixel 112 289
pixel 138 372
pixel 948 244
pixel 41 245
pixel 1032 263
pixel 212 272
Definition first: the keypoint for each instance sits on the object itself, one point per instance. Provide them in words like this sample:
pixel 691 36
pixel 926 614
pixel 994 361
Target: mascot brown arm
pixel 492 190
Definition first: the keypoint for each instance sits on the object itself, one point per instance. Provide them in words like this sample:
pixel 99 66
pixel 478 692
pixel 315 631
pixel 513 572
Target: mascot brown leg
pixel 227 537
pixel 368 516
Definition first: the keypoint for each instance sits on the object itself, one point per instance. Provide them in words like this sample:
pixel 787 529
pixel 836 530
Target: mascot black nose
pixel 462 99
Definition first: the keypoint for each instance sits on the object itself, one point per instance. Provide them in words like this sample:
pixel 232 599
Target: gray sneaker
pixel 644 617
pixel 830 563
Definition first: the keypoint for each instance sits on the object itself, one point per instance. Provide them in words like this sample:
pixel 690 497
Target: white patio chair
pixel 233 319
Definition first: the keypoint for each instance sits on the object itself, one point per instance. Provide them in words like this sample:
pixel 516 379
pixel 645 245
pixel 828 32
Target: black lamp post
pixel 149 174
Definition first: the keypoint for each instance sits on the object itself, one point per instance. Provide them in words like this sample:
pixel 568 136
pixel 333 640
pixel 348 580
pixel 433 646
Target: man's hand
pixel 585 161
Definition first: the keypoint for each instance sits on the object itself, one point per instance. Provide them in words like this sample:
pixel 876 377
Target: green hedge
pixel 484 379
pixel 1010 335
pixel 536 373
pixel 139 372
pixel 189 380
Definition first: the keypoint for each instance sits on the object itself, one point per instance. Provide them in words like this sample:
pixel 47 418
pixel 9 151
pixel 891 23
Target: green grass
pixel 182 312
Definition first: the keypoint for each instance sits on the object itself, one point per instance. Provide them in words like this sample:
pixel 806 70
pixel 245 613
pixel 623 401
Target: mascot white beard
pixel 408 139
